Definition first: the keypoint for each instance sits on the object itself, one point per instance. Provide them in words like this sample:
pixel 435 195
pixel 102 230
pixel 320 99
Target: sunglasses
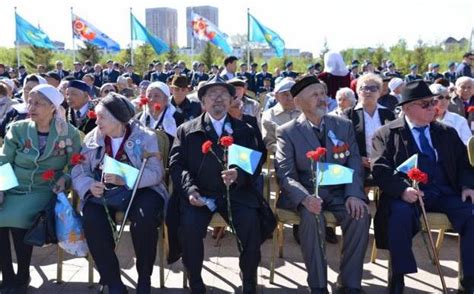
pixel 427 104
pixel 441 97
pixel 369 88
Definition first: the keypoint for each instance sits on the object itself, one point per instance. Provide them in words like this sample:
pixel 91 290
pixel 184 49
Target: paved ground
pixel 221 272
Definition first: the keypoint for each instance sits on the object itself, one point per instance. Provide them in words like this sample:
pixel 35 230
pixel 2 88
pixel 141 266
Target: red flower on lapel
pixel 470 109
pixel 206 146
pixel 316 154
pixel 226 141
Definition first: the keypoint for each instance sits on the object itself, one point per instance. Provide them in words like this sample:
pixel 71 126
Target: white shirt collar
pixel 83 110
pixel 412 125
pixel 360 106
pixel 219 121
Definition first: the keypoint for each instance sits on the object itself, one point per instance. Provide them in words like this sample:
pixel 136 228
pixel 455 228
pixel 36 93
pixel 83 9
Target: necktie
pixel 425 146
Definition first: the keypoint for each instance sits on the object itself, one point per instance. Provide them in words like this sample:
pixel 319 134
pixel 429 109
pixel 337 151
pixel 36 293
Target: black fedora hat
pixel 415 90
pixel 216 81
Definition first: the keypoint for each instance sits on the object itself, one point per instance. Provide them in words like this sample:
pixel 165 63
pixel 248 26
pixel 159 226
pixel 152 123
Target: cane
pixel 146 156
pixel 435 253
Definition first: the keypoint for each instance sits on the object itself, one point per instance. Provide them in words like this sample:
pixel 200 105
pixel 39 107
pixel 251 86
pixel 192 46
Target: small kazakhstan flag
pixel 29 34
pixel 127 172
pixel 408 164
pixel 245 158
pixel 8 178
pixel 334 174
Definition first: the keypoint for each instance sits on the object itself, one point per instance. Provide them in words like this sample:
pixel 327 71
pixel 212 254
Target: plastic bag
pixel 69 228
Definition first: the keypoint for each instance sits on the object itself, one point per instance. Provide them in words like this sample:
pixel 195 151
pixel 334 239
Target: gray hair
pixel 461 80
pixel 347 93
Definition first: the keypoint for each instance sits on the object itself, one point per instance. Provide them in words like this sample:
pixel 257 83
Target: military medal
pixel 208 128
pixel 336 156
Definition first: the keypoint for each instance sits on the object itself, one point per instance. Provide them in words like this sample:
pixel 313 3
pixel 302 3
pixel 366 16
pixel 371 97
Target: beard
pixel 321 111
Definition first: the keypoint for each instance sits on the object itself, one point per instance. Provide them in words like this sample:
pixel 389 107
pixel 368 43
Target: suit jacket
pixel 259 77
pixel 392 145
pixel 293 168
pixel 63 73
pixel 110 77
pixel 196 78
pixel 159 76
pixel 193 171
pixel 98 79
pixel 87 124
pixel 358 122
pixel 388 101
pixel 189 109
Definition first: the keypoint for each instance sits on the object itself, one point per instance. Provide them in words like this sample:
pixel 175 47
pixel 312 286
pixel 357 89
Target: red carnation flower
pixel 144 101
pixel 206 146
pixel 77 158
pixel 48 175
pixel 226 141
pixel 91 114
pixel 316 154
pixel 470 109
pixel 418 176
pixel 157 107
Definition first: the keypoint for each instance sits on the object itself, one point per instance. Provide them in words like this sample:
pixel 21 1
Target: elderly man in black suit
pixel 202 175
pixel 443 156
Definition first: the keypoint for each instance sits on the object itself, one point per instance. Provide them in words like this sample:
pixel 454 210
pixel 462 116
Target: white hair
pixel 347 93
pixel 461 80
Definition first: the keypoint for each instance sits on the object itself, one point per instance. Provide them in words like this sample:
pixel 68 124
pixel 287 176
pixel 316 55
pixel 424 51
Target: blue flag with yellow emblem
pixel 8 178
pixel 408 164
pixel 127 172
pixel 140 32
pixel 334 174
pixel 245 158
pixel 259 33
pixel 28 34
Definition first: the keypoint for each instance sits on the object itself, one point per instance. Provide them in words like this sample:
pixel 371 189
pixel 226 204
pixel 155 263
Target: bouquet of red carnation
pixel 315 156
pixel 417 176
pixel 225 142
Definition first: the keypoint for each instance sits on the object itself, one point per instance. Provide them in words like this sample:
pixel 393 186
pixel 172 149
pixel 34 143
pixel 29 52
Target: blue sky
pixel 303 24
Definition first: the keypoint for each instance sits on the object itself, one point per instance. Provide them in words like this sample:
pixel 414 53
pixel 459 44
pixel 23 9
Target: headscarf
pixel 334 64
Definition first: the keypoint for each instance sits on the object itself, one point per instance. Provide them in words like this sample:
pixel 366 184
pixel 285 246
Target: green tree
pixel 400 55
pixel 89 52
pixel 378 55
pixel 37 56
pixel 211 55
pixel 144 54
pixel 420 56
pixel 172 55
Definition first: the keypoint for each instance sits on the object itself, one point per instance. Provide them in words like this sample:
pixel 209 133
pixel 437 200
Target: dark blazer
pixel 98 79
pixel 87 124
pixel 63 73
pixel 159 76
pixel 191 170
pixel 259 77
pixel 196 78
pixel 78 75
pixel 135 77
pixel 189 109
pixel 392 145
pixel 357 118
pixel 388 101
pixel 110 77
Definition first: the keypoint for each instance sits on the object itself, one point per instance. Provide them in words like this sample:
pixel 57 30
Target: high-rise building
pixel 163 22
pixel 209 12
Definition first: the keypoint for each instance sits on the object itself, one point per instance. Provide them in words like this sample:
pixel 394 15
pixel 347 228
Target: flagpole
pixel 73 39
pixel 192 36
pixel 131 36
pixel 16 42
pixel 248 37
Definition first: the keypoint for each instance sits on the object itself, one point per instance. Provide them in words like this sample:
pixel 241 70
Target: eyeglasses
pixel 107 91
pixel 372 89
pixel 427 104
pixel 441 97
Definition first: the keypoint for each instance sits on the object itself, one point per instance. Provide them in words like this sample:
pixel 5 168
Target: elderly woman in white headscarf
pixel 20 110
pixel 447 117
pixel 158 112
pixel 335 74
pixel 40 149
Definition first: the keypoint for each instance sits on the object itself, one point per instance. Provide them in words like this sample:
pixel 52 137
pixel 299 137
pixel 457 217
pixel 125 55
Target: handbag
pixel 43 230
pixel 116 197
